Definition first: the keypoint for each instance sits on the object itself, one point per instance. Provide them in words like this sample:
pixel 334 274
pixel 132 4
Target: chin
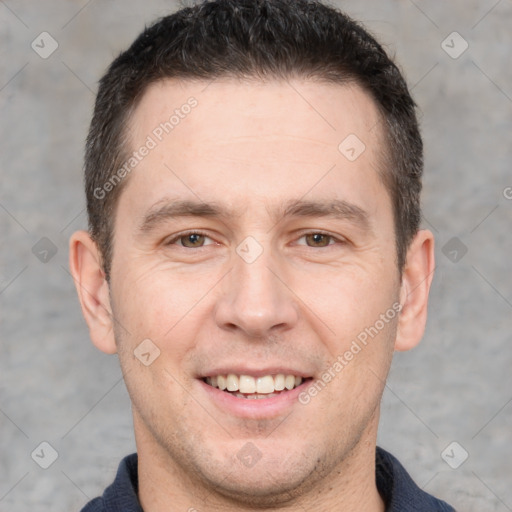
pixel 261 488
pixel 276 478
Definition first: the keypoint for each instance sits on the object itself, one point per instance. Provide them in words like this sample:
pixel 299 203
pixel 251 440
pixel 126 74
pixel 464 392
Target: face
pixel 255 238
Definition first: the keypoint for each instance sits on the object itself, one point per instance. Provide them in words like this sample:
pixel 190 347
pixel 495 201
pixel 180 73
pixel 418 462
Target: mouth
pixel 249 387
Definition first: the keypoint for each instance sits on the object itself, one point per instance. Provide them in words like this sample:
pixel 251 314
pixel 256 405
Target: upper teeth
pixel 248 384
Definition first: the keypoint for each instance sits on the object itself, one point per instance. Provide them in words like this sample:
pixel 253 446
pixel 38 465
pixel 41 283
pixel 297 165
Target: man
pixel 253 172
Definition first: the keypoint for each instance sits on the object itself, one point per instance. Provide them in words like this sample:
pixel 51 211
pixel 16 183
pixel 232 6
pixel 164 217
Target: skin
pixel 251 147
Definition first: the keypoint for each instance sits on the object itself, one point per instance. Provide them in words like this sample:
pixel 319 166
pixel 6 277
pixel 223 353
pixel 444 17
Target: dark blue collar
pixel 399 491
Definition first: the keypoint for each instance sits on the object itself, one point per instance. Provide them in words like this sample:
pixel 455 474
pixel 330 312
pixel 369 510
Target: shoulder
pixel 95 505
pixel 399 491
pixel 121 495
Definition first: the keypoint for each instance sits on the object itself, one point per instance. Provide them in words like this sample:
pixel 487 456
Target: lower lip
pixel 254 408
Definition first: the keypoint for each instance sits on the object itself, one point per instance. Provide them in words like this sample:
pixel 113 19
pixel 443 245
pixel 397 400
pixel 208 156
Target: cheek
pixel 352 312
pixel 346 299
pixel 156 301
pixel 356 373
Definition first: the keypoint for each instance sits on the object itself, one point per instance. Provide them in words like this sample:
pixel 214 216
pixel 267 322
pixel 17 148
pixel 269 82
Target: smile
pixel 249 387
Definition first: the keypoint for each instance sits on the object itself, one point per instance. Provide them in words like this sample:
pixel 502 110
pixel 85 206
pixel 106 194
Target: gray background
pixel 456 386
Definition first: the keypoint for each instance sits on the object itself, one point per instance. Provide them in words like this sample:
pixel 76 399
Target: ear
pixel 93 290
pixel 416 280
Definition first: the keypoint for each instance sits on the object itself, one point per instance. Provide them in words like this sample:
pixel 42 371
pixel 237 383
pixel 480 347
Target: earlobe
pixel 416 281
pixel 93 290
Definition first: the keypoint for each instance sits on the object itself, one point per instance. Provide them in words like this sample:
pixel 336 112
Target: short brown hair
pixel 263 39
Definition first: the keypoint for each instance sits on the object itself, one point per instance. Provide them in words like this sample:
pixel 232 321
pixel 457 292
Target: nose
pixel 255 299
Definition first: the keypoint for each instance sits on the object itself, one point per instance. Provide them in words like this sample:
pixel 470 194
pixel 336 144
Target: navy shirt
pixel 399 492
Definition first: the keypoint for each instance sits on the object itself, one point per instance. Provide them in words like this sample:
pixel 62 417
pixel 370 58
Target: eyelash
pixel 187 233
pixel 303 234
pixel 323 233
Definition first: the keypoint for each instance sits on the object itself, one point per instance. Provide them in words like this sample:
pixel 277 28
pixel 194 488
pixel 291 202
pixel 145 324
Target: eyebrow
pixel 338 209
pixel 169 209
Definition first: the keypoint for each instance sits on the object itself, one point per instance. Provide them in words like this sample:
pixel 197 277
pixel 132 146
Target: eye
pixel 191 240
pixel 318 239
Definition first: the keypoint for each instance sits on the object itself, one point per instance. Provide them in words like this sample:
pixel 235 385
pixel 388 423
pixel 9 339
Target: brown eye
pixel 192 240
pixel 318 240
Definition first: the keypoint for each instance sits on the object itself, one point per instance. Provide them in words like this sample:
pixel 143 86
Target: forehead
pixel 256 140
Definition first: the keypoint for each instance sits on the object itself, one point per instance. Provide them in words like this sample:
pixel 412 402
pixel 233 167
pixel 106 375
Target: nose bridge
pixel 254 300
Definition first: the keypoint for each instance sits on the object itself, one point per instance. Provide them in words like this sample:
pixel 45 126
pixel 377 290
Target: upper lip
pixel 253 372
